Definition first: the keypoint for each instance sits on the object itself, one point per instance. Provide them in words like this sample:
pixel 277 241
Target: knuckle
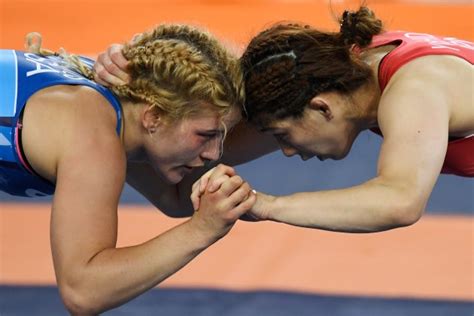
pixel 223 178
pixel 102 72
pixel 246 186
pixel 243 191
pixel 220 207
pixel 111 67
pixel 116 53
pixel 237 180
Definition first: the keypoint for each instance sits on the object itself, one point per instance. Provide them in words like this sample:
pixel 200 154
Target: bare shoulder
pixel 60 117
pixel 443 68
pixel 62 99
pixel 436 81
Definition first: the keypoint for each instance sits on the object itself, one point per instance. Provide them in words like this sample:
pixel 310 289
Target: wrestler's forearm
pixel 369 207
pixel 116 275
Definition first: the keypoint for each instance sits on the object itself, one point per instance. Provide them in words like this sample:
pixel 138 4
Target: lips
pixel 190 168
pixel 196 166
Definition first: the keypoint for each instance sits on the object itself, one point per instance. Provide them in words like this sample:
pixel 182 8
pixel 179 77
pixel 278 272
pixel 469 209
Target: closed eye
pixel 281 137
pixel 209 135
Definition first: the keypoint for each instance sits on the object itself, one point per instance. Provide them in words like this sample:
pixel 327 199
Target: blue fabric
pixel 21 75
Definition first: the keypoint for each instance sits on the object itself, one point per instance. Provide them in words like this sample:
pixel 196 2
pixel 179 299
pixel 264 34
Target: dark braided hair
pixel 287 65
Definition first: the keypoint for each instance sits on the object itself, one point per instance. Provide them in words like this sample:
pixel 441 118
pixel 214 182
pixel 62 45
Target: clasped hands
pixel 232 189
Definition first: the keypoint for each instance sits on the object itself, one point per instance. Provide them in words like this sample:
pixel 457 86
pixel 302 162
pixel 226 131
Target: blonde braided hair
pixel 174 68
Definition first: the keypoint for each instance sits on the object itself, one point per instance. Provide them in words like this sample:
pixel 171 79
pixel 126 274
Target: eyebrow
pixel 214 130
pixel 265 129
pixel 269 129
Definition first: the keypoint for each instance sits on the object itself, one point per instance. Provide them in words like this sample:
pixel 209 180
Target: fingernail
pixel 254 192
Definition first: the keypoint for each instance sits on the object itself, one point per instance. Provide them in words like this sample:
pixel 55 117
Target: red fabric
pixel 460 153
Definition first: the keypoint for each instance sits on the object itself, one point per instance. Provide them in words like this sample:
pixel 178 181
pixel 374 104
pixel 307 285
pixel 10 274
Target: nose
pixel 213 149
pixel 288 151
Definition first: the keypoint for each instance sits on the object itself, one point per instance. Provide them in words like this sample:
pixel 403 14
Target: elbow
pixel 405 213
pixel 401 203
pixel 79 301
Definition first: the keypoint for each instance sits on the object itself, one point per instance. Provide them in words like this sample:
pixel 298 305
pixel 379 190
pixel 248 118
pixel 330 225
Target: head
pixel 193 91
pixel 187 90
pixel 300 84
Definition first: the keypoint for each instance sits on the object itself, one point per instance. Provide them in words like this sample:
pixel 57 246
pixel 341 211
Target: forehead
pixel 202 121
pixel 233 117
pixel 210 118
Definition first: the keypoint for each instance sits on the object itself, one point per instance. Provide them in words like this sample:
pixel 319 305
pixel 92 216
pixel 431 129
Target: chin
pixel 174 177
pixel 170 176
pixel 345 151
pixel 334 155
pixel 341 155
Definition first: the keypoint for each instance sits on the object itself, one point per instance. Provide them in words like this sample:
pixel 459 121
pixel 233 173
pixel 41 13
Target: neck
pixel 366 100
pixel 132 133
pixel 368 96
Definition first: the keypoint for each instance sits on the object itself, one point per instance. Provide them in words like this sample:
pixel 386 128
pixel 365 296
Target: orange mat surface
pixel 432 259
pixel 88 26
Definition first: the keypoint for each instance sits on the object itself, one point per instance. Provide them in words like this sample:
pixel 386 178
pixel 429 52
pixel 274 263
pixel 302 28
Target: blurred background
pixel 259 268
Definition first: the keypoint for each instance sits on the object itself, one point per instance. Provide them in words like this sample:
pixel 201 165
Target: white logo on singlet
pixel 439 43
pixel 34 193
pixel 4 141
pixel 44 65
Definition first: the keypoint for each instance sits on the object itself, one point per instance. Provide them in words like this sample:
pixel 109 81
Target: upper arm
pixel 89 179
pixel 413 116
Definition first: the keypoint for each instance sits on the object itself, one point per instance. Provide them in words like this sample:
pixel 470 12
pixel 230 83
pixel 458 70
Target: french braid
pixel 173 68
pixel 287 65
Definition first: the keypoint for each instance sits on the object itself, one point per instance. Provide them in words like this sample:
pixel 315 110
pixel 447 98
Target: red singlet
pixel 459 158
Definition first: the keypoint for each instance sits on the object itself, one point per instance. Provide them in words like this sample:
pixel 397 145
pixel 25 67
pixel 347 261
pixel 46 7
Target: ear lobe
pixel 321 106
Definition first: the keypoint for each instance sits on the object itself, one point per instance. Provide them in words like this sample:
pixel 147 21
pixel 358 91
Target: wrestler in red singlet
pixel 460 153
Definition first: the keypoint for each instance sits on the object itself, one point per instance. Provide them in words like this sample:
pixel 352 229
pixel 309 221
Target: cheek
pixel 189 148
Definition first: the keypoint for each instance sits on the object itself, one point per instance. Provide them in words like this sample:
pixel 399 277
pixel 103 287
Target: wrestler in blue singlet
pixel 21 75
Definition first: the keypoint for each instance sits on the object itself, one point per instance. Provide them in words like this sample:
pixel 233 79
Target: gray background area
pixel 45 301
pixel 277 174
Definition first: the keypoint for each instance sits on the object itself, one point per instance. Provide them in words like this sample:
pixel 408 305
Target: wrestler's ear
pixel 322 107
pixel 151 118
